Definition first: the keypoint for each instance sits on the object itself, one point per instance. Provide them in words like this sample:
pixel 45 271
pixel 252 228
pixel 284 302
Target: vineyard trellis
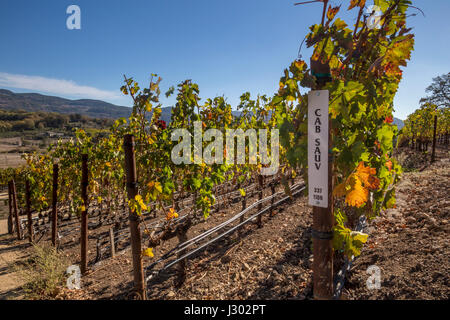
pixel 361 66
pixel 427 125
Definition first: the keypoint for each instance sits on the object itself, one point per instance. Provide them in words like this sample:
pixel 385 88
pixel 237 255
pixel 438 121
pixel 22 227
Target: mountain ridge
pixel 34 102
pixel 38 102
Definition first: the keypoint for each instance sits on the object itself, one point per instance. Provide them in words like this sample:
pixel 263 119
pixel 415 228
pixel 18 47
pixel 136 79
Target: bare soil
pixel 410 243
pixel 11 253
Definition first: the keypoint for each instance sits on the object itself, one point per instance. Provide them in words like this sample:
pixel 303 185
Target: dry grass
pixel 44 274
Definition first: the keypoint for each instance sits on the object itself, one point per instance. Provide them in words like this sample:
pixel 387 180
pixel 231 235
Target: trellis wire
pixel 157 224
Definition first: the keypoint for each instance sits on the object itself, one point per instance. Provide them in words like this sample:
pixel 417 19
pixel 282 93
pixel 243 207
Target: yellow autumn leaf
pixel 140 202
pixel 300 64
pixel 359 3
pixel 366 175
pixel 359 236
pixel 152 185
pixel 158 187
pixel 171 214
pixel 358 195
pixel 148 107
pixel 364 172
pixel 148 252
pixel 332 11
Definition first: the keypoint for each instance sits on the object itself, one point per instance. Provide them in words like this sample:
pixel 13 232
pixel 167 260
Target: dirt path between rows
pixel 11 252
pixel 409 244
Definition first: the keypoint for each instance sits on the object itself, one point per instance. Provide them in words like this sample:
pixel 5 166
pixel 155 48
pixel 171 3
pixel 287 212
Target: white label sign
pixel 318 148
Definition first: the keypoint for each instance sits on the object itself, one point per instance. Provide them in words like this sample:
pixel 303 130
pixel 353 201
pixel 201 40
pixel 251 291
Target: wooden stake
pixel 10 216
pixel 136 246
pixel 113 244
pixel 28 203
pixel 84 217
pixel 323 220
pixel 182 238
pixel 54 204
pixel 433 152
pixel 16 214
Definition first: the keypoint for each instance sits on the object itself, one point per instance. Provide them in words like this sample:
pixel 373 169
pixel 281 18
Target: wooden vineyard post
pixel 84 217
pixel 260 196
pixel 28 203
pixel 182 236
pixel 323 218
pixel 433 152
pixel 181 266
pixel 54 204
pixel 136 248
pixel 323 248
pixel 113 244
pixel 10 216
pixel 16 214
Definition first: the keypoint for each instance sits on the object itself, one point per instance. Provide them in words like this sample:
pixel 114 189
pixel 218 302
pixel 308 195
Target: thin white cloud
pixel 54 86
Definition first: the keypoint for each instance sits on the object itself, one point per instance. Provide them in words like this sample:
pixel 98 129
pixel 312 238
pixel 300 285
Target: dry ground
pixel 410 243
pixel 11 253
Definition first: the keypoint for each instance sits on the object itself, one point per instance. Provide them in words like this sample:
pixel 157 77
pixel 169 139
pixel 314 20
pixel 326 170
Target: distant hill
pixel 399 123
pixel 33 102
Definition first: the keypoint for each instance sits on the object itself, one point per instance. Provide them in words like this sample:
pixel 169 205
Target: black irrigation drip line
pixel 68 232
pixel 161 223
pixel 121 231
pixel 212 230
pixel 180 219
pixel 123 237
pixel 123 234
pixel 340 277
pixel 173 251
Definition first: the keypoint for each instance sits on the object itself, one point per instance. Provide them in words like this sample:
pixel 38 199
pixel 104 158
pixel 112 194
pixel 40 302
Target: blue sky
pixel 227 47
